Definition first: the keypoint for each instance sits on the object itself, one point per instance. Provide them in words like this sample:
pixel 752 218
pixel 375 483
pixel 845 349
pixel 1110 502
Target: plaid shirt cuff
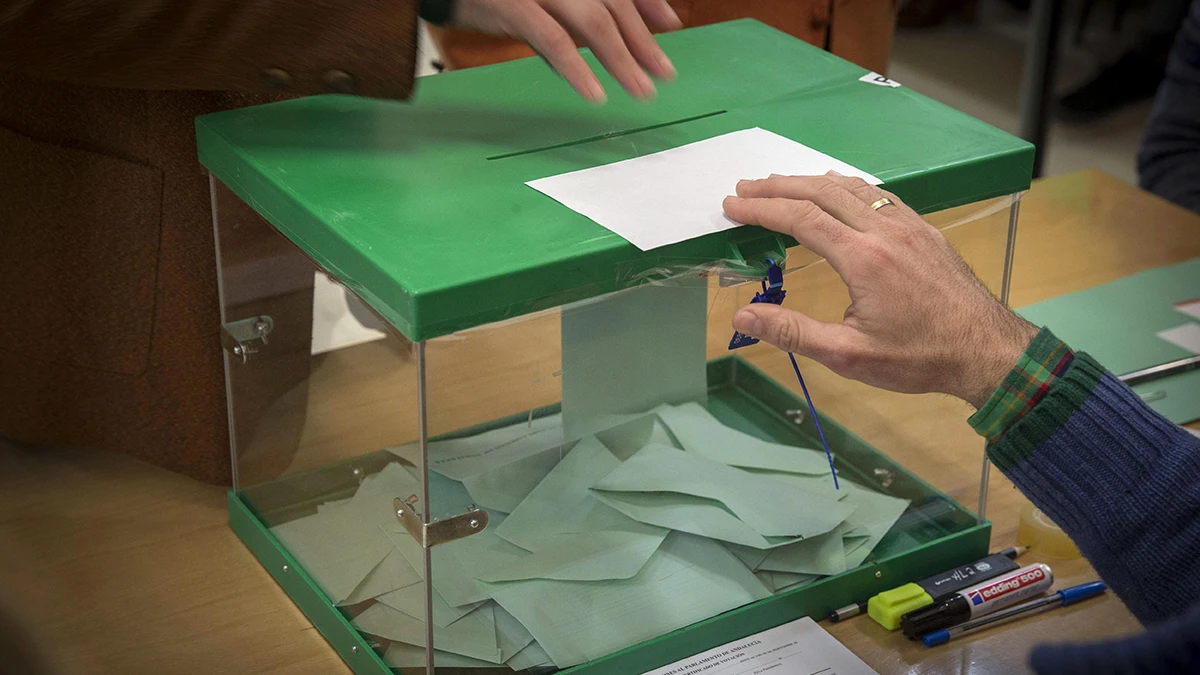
pixel 1044 361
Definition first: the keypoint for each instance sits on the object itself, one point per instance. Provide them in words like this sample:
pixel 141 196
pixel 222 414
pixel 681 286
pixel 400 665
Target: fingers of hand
pixel 594 23
pixel 632 24
pixel 812 227
pixel 827 193
pixel 547 36
pixel 860 188
pixel 659 14
pixel 796 332
pixel 870 194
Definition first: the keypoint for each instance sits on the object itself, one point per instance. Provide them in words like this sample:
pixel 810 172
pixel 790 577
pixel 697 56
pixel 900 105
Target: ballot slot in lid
pixel 425 346
pixel 604 136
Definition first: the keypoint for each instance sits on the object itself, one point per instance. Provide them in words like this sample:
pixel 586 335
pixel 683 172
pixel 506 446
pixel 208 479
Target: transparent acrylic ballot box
pixel 474 431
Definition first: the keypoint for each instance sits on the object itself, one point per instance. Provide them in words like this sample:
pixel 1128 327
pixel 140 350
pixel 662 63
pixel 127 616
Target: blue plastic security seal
pixel 772 292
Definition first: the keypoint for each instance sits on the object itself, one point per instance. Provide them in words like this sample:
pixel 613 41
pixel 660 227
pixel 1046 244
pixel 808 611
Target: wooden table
pixel 125 568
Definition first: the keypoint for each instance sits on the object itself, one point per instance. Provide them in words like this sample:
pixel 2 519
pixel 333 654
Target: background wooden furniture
pixel 126 568
pixel 856 30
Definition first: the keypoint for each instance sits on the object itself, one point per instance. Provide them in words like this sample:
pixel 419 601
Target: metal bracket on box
pixel 442 531
pixel 240 337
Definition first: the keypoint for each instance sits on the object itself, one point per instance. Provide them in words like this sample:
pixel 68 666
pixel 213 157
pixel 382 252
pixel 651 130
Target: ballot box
pixel 474 430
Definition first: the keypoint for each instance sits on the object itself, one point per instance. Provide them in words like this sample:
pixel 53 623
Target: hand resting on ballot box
pixel 1115 475
pixel 919 320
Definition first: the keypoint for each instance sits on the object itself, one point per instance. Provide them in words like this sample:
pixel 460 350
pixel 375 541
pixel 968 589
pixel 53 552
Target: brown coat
pixel 109 325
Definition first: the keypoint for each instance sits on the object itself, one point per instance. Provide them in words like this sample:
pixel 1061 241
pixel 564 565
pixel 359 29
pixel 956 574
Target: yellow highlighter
pixel 887 607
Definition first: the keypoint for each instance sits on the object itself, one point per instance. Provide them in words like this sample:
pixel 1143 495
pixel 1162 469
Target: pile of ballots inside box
pixel 655 522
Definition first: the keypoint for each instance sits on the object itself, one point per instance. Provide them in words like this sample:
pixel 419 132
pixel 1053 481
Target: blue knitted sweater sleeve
pixel 1124 483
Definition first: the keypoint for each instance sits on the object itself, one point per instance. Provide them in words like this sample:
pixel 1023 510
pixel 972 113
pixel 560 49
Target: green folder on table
pixel 1118 324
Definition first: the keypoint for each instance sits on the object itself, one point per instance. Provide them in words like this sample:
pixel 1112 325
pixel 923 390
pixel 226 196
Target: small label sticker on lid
pixel 876 78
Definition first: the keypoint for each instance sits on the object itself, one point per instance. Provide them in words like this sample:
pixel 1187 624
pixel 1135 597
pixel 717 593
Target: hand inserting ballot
pixel 919 320
pixel 617 31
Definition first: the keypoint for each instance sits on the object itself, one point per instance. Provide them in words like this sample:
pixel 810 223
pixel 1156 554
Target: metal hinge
pixel 442 531
pixel 241 338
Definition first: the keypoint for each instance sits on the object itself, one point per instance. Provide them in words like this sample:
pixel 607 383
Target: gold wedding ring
pixel 880 203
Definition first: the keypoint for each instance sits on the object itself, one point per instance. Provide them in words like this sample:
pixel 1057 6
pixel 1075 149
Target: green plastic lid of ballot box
pixel 422 208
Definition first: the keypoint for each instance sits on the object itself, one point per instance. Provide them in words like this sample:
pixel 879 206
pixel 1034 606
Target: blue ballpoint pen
pixel 1066 596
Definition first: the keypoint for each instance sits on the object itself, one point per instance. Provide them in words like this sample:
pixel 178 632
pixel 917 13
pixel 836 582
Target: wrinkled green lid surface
pixel 421 207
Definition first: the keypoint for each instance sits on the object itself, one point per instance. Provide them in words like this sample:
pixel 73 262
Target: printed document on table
pixel 797 648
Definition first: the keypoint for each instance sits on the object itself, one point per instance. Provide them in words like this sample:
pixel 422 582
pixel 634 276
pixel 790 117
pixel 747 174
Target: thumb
pixel 789 330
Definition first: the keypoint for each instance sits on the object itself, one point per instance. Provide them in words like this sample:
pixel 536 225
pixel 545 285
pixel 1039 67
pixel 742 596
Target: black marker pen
pixel 994 594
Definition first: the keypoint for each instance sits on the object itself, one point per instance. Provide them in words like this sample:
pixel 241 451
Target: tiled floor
pixel 976 68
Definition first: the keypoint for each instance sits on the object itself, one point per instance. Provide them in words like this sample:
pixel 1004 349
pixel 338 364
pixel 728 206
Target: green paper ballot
pixel 510 633
pixel 473 636
pixel 698 431
pixel 391 574
pixel 402 655
pixel 372 503
pixel 688 513
pixel 532 656
pixel 855 540
pixel 411 601
pixel 750 557
pixel 629 352
pixel 344 546
pixel 688 579
pixel 517 648
pixel 460 458
pixel 815 484
pixel 447 497
pixel 339 550
pixel 631 433
pixel 563 501
pixel 785 580
pixel 456 564
pixel 767 506
pixel 778 582
pixel 582 556
pixel 821 555
pixel 504 487
pixel 874 517
pixel 767 579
